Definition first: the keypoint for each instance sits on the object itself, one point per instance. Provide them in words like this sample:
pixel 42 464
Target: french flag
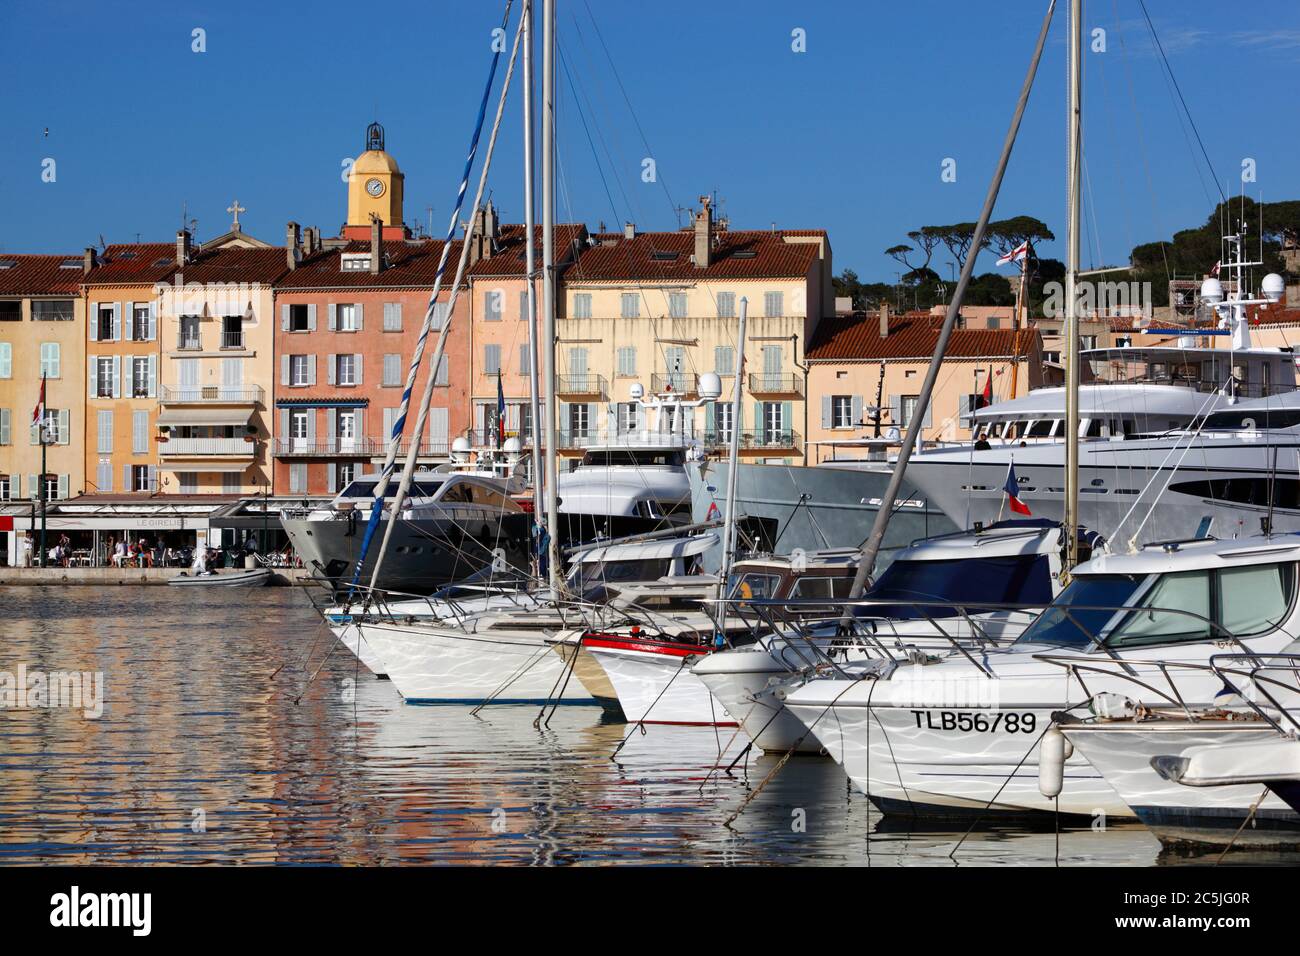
pixel 1012 488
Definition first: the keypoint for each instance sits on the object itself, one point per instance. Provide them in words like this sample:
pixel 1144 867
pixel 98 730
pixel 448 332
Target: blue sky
pixel 849 135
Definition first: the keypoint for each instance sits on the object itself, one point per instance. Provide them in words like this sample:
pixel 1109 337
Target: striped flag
pixel 1012 488
pixel 1016 254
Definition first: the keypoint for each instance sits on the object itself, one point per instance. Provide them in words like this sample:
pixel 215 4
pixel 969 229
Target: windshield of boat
pixel 473 493
pixel 1014 579
pixel 365 488
pixel 753 584
pixel 1077 626
pixel 592 573
pixel 636 457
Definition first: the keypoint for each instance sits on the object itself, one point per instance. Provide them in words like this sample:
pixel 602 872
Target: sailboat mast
pixel 1071 278
pixel 548 290
pixel 733 463
pixel 530 267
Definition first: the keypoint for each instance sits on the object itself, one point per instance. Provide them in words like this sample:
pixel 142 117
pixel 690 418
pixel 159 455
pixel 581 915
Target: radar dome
pixel 512 446
pixel 710 385
pixel 1211 291
pixel 637 391
pixel 1273 287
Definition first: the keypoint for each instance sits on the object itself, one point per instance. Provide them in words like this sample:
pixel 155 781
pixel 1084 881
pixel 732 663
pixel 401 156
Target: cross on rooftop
pixel 236 209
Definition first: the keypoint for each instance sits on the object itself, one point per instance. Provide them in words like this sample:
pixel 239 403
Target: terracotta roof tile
pixel 508 260
pixel 237 264
pixel 406 264
pixel 651 256
pixel 133 263
pixel 856 338
pixel 39 275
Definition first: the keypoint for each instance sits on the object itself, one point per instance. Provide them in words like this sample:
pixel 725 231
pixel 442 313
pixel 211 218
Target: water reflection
pixel 217 745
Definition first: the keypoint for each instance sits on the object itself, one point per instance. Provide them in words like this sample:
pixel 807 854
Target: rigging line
pixel 1160 46
pixel 400 422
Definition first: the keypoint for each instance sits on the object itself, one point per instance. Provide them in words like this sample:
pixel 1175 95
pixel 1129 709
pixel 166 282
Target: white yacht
pixel 958 733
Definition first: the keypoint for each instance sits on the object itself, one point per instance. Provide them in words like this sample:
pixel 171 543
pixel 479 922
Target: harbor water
pixel 234 731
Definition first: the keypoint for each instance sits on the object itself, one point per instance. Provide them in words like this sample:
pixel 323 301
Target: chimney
pixel 884 321
pixel 629 230
pixel 310 241
pixel 182 247
pixel 89 260
pixel 291 244
pixel 703 234
pixel 376 245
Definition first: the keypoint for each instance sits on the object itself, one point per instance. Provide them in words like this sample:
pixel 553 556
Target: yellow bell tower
pixel 375 187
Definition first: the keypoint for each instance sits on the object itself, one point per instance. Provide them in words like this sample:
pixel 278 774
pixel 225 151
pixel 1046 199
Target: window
pixel 723 415
pixel 53 428
pixel 232 332
pixel 6 427
pixel 582 305
pixel 140 322
pixel 726 305
pixel 346 473
pixel 579 420
pixel 299 318
pixel 773 422
pixel 11 311
pixel 906 409
pixel 6 360
pixel 842 411
pixel 298 478
pixel 628 416
pixel 140 432
pixel 140 478
pixel 1255 599
pixel 492 359
pixel 631 305
pixel 1161 617
pixel 52 310
pixel 627 360
pixel 345 429
pixel 493 305
pixel 6 488
pixel 354 261
pixel 51 487
pixel 104 431
pixel 392 316
pixel 104 377
pixel 439 316
pixel 105 324
pixel 392 369
pixel 346 370
pixel 724 360
pixel 299 427
pixel 348 318
pixel 50 360
pixel 231 482
pixel 189 482
pixel 774 304
pixel 677 305
pixel 298 370
pixel 189 337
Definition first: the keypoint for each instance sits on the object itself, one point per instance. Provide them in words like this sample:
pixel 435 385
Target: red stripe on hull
pixel 645 647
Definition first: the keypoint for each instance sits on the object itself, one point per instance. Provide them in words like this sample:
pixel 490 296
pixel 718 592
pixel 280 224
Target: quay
pixel 35 577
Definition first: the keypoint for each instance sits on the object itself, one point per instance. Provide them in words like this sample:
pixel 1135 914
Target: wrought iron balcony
pixel 581 386
pixel 200 447
pixel 352 448
pixel 683 383
pixel 785 439
pixel 775 383
pixel 211 394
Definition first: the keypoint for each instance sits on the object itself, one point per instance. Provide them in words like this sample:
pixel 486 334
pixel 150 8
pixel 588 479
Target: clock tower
pixel 374 190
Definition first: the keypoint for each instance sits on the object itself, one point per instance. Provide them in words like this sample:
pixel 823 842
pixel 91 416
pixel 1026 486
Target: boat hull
pixel 654 682
pixel 257 578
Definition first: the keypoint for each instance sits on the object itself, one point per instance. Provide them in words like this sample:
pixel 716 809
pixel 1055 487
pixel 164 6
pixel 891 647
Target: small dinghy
pixel 224 579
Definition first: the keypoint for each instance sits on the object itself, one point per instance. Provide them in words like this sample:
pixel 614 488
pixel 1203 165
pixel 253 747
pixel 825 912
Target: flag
pixel 1012 488
pixel 39 411
pixel 986 396
pixel 1215 271
pixel 714 512
pixel 501 413
pixel 1016 254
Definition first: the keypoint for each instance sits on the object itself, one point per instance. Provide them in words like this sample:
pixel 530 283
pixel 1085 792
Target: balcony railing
pixel 782 439
pixel 232 340
pixel 351 448
pixel 581 385
pixel 683 383
pixel 189 343
pixel 206 446
pixel 198 394
pixel 774 383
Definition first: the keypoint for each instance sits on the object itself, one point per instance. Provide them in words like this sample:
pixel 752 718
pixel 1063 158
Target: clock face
pixel 375 187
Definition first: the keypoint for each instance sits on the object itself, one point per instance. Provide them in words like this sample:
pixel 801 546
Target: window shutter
pixel 33 489
pixel 855 410
pixel 332 471
pixel 130 321
pixel 331 363
pixel 356 365
pixel 331 427
pixel 361 314
pixel 311 317
pixel 153 321
pixel 311 426
pixel 787 418
pixel 126 478
pixel 117 321
pixel 963 411
pixel 439 316
pixel 63 487
pixel 929 415
pixel 442 377
pixel 153 376
pixel 311 370
pixel 284 429
pixel 523 360
pixel 104 431
pixel 760 423
pixel 333 317
pixel 91 368
pixel 284 318
pixel 92 320
pixel 284 370
pixel 896 410
pixel 65 426
pixel 6 360
pixel 6 426
pixel 151 477
pixel 117 376
pixel 827 420
pixel 710 419
pixel 139 432
pixel 360 425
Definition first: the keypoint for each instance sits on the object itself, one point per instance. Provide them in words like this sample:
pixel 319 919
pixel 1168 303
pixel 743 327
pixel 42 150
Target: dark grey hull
pixel 811 508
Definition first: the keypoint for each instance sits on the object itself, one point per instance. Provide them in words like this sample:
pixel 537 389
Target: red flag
pixel 39 411
pixel 986 396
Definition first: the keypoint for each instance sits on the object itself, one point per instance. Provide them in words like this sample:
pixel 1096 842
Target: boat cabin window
pixel 822 587
pixel 637 457
pixel 1081 611
pixel 1040 429
pixel 592 573
pixel 365 488
pixel 1175 608
pixel 1016 579
pixel 753 584
pixel 464 492
pixel 1252 419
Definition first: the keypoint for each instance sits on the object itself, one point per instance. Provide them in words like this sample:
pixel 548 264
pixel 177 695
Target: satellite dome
pixel 1212 291
pixel 710 385
pixel 637 391
pixel 1273 287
